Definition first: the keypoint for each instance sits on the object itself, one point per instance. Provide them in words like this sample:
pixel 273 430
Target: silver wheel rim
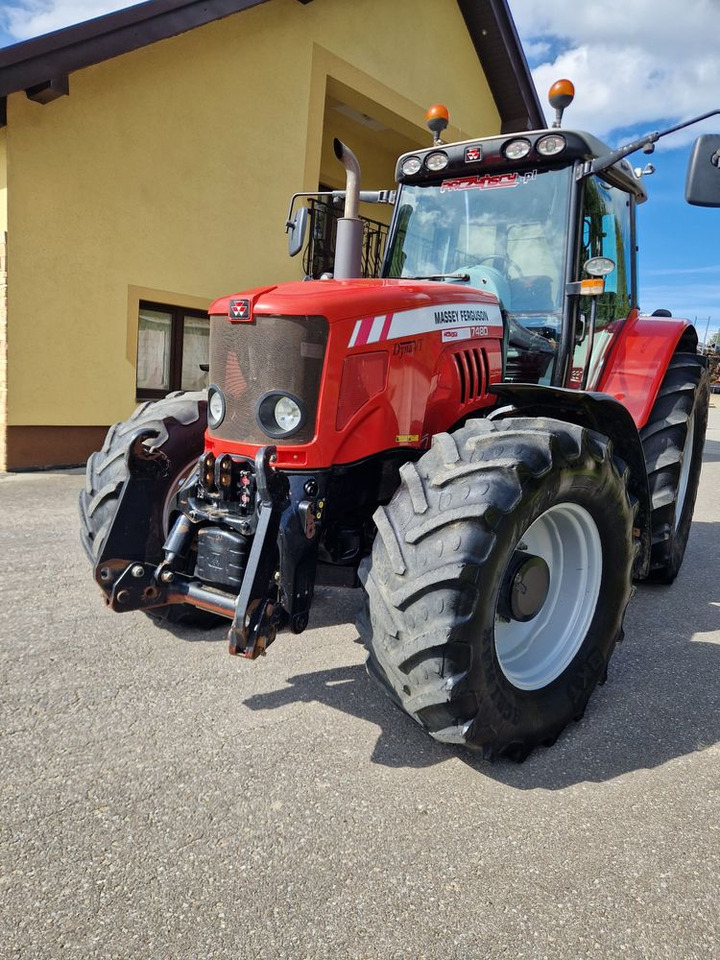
pixel 533 653
pixel 685 471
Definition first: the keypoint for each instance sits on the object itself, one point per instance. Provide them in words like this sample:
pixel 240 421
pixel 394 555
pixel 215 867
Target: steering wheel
pixel 501 262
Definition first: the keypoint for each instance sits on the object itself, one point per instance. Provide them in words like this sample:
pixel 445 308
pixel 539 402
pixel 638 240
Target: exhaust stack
pixel 348 241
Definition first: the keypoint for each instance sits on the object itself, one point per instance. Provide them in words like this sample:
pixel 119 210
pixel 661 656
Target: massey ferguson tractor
pixel 489 439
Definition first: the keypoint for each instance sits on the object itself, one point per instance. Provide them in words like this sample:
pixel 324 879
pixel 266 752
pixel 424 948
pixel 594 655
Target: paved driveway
pixel 161 799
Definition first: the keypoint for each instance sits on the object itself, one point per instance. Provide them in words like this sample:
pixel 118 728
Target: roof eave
pixel 37 61
pixel 45 62
pixel 500 52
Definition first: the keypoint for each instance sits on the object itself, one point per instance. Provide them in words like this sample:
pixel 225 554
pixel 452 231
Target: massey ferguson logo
pixel 239 310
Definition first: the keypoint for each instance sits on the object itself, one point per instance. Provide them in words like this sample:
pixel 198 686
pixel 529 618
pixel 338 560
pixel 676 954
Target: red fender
pixel 638 360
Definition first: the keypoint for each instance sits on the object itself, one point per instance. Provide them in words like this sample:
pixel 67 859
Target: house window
pixel 172 349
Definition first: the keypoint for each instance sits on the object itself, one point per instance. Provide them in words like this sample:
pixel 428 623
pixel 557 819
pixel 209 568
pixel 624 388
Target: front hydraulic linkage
pixel 257 612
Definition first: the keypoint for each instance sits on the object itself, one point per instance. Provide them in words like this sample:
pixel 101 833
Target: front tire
pixel 673 440
pixel 453 638
pixel 176 427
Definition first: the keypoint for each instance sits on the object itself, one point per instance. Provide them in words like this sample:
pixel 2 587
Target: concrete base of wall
pixel 37 447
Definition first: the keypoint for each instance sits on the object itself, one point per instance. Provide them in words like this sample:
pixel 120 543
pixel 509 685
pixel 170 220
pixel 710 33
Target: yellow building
pixel 146 163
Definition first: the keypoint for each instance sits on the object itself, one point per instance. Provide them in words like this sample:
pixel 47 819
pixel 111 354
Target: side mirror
pixel 297 228
pixel 702 187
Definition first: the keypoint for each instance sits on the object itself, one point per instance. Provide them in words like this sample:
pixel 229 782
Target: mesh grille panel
pixel 274 353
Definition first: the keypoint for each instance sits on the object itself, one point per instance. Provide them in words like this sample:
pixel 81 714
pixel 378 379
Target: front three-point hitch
pixel 251 559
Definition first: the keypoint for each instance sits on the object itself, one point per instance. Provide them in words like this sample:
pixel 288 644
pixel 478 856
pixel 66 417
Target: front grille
pixel 472 367
pixel 247 360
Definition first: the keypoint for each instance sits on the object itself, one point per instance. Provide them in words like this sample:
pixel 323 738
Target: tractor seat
pixel 531 294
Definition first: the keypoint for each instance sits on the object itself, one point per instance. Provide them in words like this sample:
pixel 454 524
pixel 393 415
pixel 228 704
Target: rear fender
pixel 639 360
pixel 599 412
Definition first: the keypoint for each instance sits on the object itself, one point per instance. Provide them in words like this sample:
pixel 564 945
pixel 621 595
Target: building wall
pixel 3 298
pixel 3 180
pixel 167 172
pixel 3 349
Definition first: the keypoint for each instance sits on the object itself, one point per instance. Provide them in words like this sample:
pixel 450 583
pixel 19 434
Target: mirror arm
pixel 366 196
pixel 602 163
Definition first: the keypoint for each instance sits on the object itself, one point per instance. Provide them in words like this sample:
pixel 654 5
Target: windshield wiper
pixel 442 276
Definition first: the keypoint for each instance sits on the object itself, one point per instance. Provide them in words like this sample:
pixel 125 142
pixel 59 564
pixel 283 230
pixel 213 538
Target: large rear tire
pixel 673 441
pixel 498 582
pixel 176 427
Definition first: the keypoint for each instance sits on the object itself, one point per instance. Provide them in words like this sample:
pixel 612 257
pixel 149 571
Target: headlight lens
pixel 216 407
pixel 551 145
pixel 287 414
pixel 516 149
pixel 436 161
pixel 280 414
pixel 411 166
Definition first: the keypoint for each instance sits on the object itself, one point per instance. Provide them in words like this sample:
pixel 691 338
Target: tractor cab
pixel 522 217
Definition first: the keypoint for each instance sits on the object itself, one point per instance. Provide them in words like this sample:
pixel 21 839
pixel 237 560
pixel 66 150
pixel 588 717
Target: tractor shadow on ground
pixel 662 700
pixel 711 452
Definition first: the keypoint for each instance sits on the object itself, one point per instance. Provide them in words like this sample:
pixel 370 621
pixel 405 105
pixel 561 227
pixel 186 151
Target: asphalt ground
pixel 160 799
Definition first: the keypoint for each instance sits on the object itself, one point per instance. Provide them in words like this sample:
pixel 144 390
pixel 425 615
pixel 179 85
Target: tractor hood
pixel 339 300
pixel 368 366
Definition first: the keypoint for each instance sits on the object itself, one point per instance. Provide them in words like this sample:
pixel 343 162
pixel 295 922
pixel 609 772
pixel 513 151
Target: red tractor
pixel 489 438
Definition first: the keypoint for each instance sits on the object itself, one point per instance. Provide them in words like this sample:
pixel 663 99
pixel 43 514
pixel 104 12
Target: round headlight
pixel 215 407
pixel 436 161
pixel 287 414
pixel 516 149
pixel 280 414
pixel 411 166
pixel 551 145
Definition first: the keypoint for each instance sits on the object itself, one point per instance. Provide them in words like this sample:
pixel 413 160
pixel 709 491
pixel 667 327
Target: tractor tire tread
pixel 683 395
pixel 420 595
pixel 107 470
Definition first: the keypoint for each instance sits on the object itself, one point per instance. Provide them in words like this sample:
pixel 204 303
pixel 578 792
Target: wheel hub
pixel 526 586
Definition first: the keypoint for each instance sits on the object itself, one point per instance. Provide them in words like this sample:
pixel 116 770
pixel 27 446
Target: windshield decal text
pixel 498 181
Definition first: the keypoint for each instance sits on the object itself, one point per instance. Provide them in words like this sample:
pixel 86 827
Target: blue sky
pixel 637 66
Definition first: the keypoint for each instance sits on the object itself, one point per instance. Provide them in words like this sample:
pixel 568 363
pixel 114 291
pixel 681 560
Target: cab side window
pixel 606 233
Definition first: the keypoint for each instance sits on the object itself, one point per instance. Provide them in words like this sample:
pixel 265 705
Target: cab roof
pixel 487 154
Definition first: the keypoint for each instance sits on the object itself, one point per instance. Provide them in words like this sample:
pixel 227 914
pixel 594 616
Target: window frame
pixel 178 315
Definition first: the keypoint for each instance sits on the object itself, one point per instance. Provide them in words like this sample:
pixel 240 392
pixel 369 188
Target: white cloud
pixel 634 63
pixel 537 49
pixel 31 18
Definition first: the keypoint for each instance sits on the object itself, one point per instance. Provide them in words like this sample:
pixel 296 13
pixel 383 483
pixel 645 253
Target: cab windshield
pixel 505 233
